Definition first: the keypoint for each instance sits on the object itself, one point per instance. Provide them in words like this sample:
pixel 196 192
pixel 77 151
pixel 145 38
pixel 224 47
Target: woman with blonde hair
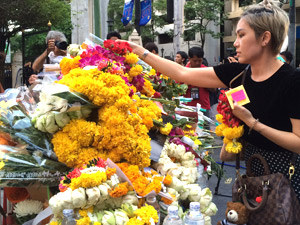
pixel 272 118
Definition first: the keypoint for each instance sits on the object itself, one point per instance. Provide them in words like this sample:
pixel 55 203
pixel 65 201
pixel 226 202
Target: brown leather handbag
pixel 279 204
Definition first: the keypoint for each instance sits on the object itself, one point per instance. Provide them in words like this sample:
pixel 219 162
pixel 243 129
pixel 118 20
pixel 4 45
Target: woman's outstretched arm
pixel 202 77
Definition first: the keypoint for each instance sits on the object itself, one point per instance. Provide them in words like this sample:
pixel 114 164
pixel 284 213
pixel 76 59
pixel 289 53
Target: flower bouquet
pixel 229 126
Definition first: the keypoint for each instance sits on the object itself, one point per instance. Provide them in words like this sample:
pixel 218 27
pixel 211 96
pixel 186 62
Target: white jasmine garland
pixel 28 207
pixel 92 169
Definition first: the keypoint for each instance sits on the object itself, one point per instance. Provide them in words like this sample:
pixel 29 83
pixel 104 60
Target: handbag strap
pixel 259 205
pixel 244 73
pixel 263 162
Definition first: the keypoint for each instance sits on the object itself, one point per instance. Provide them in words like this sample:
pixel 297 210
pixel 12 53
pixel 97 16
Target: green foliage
pixel 32 16
pixel 198 15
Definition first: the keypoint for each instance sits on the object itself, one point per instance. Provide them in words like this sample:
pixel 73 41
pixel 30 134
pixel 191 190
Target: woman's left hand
pixel 242 113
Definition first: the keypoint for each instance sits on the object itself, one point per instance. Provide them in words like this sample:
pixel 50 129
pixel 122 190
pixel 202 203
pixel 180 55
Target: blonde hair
pixel 268 16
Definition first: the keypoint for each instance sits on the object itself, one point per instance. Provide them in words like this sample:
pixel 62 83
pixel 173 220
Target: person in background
pixel 200 95
pixel 181 58
pixel 54 38
pixel 56 49
pixel 272 117
pixel 2 58
pixel 152 47
pixel 114 35
pixel 287 56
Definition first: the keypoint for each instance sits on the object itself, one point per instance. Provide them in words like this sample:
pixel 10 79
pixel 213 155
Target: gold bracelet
pixel 251 128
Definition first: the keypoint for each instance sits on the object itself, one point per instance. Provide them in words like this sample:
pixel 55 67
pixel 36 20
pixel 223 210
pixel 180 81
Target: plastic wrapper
pixel 16 122
pixel 20 167
pixel 26 154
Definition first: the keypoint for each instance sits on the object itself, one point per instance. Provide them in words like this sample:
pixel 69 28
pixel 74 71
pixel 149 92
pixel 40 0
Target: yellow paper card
pixel 237 94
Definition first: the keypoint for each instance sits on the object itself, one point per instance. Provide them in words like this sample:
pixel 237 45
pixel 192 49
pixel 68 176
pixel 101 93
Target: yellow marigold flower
pixel 164 77
pixel 96 223
pixel 134 221
pixel 136 70
pixel 146 213
pixel 234 132
pixel 110 171
pixel 148 88
pixel 54 223
pixel 219 118
pixel 152 72
pixel 131 58
pixel 67 64
pixel 219 129
pixel 167 129
pixel 83 221
pixel 226 140
pixel 84 212
pixel 88 180
pixel 168 180
pixel 234 147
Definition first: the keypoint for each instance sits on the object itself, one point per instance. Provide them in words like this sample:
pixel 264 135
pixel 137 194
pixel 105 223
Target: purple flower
pixel 138 81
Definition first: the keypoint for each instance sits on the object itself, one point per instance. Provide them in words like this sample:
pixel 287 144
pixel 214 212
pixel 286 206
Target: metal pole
pixel 178 11
pixel 23 56
pixel 292 31
pixel 137 5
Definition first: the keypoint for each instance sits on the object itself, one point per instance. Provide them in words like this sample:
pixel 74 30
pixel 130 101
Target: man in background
pixel 181 58
pixel 151 47
pixel 114 35
pixel 199 95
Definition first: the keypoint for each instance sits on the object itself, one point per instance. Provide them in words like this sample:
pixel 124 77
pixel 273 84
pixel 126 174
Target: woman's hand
pixel 243 114
pixel 137 49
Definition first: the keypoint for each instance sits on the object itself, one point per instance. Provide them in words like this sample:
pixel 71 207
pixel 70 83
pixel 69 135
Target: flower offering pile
pixel 99 196
pixel 93 131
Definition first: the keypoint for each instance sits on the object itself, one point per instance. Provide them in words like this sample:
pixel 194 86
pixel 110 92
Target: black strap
pixel 294 158
pixel 244 73
pixel 2 212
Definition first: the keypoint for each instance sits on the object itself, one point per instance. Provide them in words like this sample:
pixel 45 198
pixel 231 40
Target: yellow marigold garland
pixel 72 145
pixel 88 180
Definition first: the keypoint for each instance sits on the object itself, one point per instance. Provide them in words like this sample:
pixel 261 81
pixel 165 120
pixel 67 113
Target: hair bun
pixel 270 4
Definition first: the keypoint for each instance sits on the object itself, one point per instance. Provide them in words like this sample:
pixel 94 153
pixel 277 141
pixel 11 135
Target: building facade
pixel 234 9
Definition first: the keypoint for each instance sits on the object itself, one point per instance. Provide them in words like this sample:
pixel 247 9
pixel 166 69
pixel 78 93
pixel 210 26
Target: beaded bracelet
pixel 251 128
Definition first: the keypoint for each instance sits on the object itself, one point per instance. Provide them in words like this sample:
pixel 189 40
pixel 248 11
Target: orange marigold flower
pixel 120 190
pixel 110 171
pixel 168 180
pixel 168 201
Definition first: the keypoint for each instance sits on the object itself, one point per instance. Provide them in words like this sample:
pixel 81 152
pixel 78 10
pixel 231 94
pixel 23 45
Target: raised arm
pixel 39 61
pixel 202 77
